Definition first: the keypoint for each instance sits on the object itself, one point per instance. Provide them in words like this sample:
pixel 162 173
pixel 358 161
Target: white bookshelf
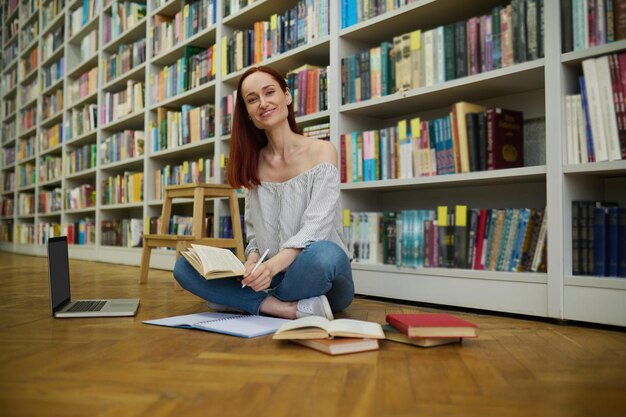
pixel 538 88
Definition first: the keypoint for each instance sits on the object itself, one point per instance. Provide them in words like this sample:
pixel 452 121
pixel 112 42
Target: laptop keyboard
pixel 82 306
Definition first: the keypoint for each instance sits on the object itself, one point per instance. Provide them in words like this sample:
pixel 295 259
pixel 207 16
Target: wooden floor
pixel 121 367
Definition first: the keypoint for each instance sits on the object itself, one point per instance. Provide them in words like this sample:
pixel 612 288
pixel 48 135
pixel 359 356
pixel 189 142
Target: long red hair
pixel 246 140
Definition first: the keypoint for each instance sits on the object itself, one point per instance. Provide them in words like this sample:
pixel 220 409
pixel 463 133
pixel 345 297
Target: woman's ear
pixel 288 96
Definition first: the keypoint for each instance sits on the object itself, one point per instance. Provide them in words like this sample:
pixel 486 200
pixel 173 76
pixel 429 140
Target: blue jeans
pixel 321 268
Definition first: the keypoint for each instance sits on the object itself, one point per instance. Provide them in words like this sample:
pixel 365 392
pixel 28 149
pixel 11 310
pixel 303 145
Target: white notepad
pixel 231 324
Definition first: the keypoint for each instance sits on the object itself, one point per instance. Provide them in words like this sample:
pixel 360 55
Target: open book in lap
pixel 212 262
pixel 317 327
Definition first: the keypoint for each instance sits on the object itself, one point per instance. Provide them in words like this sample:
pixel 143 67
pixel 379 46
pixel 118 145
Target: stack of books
pixel 428 330
pixel 335 337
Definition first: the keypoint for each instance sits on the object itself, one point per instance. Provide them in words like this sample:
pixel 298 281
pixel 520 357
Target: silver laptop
pixel 60 300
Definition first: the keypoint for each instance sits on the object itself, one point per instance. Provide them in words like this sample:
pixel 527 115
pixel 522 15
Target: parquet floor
pixel 120 367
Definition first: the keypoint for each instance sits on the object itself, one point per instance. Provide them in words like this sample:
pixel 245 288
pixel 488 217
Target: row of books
pixel 28 118
pixel 598 239
pixel 82 232
pixel 85 85
pixel 297 26
pixel 25 233
pixel 309 89
pixel 170 31
pixel 83 119
pixel 233 6
pixel 39 233
pixel 124 15
pixel 356 11
pixel 177 128
pixel 9 130
pixel 29 62
pixel 25 204
pixel 7 181
pixel 51 42
pixel 121 146
pixel 507 35
pixel 49 11
pixel 472 138
pixel 89 45
pixel 8 156
pixel 50 168
pixel 50 201
pixel 317 131
pixel 29 92
pixel 7 206
pixel 127 57
pixel 123 188
pixel 80 197
pixel 51 137
pixel 6 231
pixel 512 239
pixel 29 33
pixel 82 14
pixel 51 104
pixel 9 80
pixel 122 103
pixel 26 174
pixel 52 73
pixel 589 23
pixel 122 232
pixel 80 159
pixel 187 172
pixel 596 117
pixel 175 79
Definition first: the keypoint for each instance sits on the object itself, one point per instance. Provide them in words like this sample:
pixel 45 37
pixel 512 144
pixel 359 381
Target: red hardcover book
pixel 480 236
pixel 432 325
pixel 505 138
pixel 342 152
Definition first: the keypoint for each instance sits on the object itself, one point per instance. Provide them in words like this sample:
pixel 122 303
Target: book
pixel 432 325
pixel 339 346
pixel 212 262
pixel 316 327
pixel 505 138
pixel 393 334
pixel 241 325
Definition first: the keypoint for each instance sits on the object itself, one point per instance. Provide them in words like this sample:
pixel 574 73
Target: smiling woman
pixel 292 212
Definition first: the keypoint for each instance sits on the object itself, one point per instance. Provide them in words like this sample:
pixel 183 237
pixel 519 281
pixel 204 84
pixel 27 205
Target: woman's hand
pixel 261 278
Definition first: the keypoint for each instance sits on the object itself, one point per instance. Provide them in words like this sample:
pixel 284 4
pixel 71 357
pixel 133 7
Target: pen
pixel 257 264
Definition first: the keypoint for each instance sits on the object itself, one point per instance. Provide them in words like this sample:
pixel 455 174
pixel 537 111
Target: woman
pixel 292 210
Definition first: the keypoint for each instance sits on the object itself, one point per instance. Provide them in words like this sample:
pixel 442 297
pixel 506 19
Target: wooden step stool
pixel 199 193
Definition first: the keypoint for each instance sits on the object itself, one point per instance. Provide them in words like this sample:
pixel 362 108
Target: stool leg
pixel 180 246
pixel 145 263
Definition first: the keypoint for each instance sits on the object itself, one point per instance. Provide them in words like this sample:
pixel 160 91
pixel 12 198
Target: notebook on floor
pixel 241 325
pixel 60 300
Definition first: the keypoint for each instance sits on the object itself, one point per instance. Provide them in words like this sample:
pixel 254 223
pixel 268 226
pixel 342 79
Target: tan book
pixel 317 327
pixel 194 124
pixel 212 262
pixel 396 336
pixel 339 346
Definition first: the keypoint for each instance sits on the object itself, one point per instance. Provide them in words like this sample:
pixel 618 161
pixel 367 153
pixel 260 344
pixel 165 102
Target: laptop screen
pixel 58 272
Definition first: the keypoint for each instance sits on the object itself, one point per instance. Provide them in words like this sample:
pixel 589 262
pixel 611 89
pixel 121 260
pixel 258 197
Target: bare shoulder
pixel 323 151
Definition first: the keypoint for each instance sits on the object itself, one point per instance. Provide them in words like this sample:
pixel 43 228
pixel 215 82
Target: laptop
pixel 60 300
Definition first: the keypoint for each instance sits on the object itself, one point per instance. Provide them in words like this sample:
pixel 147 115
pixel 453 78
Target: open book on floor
pixel 316 327
pixel 432 325
pixel 339 346
pixel 212 262
pixel 395 335
pixel 231 324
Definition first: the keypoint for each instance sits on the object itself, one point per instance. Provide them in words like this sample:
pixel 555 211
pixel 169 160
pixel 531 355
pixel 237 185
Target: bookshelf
pixel 537 87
